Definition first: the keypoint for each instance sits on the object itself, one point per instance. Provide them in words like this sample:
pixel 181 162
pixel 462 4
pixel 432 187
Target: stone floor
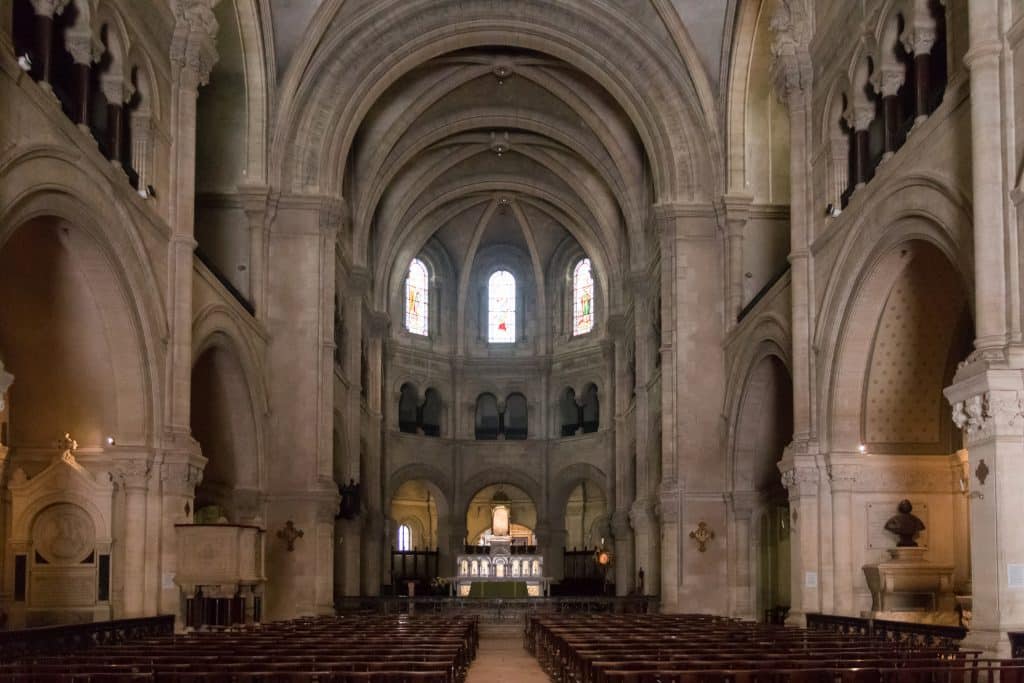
pixel 502 659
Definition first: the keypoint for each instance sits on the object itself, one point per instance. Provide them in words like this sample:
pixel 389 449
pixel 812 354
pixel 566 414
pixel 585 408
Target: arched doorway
pixel 586 531
pixel 764 429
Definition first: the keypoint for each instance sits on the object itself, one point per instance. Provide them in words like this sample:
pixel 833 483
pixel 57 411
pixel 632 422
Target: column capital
pixel 194 45
pixel 859 115
pixel 888 79
pixel 987 397
pixel 132 475
pixel 842 477
pixel 48 8
pixel 116 88
pixel 918 37
pixel 180 478
pixel 85 48
pixel 800 474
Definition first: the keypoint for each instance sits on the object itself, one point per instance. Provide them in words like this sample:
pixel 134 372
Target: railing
pixel 58 639
pixel 223 279
pixel 499 609
pixel 895 631
pixel 761 293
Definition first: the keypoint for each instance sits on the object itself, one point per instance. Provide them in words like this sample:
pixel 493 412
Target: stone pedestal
pixel 908 588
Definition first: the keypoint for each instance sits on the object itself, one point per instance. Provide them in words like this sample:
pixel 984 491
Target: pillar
pixel 622 533
pixel 800 477
pixel 375 569
pixel 117 92
pixel 988 405
pixel 42 46
pixel 859 118
pixel 178 481
pixel 842 475
pixel 887 82
pixel 734 212
pixel 742 535
pixel 918 39
pixel 625 477
pixel 133 479
pixel 84 52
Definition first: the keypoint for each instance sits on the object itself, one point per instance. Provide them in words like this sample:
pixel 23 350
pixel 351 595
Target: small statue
pixel 68 446
pixel 905 525
pixel 349 500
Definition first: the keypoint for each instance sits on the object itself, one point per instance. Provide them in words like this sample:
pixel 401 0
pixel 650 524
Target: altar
pixel 501 568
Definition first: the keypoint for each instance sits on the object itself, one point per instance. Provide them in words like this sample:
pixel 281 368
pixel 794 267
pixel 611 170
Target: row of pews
pixel 607 648
pixel 342 649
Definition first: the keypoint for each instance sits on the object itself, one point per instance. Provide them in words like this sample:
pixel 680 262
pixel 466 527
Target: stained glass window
pixel 582 298
pixel 417 298
pixel 501 307
pixel 404 537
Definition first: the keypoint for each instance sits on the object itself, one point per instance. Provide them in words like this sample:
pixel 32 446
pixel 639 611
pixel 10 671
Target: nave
pixel 558 646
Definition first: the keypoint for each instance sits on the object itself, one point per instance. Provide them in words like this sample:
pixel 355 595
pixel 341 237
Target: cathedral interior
pixel 313 301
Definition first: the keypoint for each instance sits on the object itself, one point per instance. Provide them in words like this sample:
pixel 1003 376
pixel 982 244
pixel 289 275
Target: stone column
pixel 734 211
pixel 6 380
pixel 742 593
pixel 918 39
pixel 257 207
pixel 85 50
pixel 133 479
pixel 622 533
pixel 42 47
pixel 859 117
pixel 842 475
pixel 117 91
pixel 887 82
pixel 192 56
pixel 178 481
pixel 988 405
pixel 993 266
pixel 375 568
pixel 800 477
pixel 625 489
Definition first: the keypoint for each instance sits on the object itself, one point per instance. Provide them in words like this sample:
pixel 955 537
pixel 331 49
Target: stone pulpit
pixel 221 573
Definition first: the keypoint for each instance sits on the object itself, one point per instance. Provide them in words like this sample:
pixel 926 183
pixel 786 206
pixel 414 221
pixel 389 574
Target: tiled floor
pixel 502 659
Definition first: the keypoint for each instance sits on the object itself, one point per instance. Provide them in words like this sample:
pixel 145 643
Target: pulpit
pixel 220 573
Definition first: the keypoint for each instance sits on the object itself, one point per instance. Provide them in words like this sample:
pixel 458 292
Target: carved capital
pixel 193 45
pixel 48 8
pixel 116 88
pixel 180 478
pixel 85 48
pixel 860 115
pixel 919 37
pixel 334 216
pixel 888 80
pixel 801 481
pixel 621 527
pixel 988 414
pixel 132 475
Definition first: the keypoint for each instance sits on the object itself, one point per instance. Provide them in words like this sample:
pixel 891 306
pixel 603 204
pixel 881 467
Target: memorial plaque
pixel 63 587
pixel 64 534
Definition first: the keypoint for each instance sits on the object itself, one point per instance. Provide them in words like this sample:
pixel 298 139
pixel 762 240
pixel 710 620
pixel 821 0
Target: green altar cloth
pixel 498 589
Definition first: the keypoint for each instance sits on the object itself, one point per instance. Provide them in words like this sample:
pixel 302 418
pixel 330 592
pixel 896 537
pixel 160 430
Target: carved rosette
pixel 985 415
pixel 193 45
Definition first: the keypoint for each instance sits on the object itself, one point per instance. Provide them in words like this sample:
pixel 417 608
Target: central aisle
pixel 502 659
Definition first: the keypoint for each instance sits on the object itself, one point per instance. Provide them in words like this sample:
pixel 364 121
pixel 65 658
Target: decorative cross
pixel 289 533
pixel 702 534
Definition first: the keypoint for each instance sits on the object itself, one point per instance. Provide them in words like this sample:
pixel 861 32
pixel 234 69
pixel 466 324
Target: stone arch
pixel 503 475
pixel 566 480
pixel 672 142
pixel 855 295
pixel 226 422
pixel 102 239
pixel 437 480
pixel 764 422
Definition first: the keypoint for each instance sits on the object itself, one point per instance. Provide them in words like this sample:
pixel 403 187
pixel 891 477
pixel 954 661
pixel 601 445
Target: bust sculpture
pixel 905 524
